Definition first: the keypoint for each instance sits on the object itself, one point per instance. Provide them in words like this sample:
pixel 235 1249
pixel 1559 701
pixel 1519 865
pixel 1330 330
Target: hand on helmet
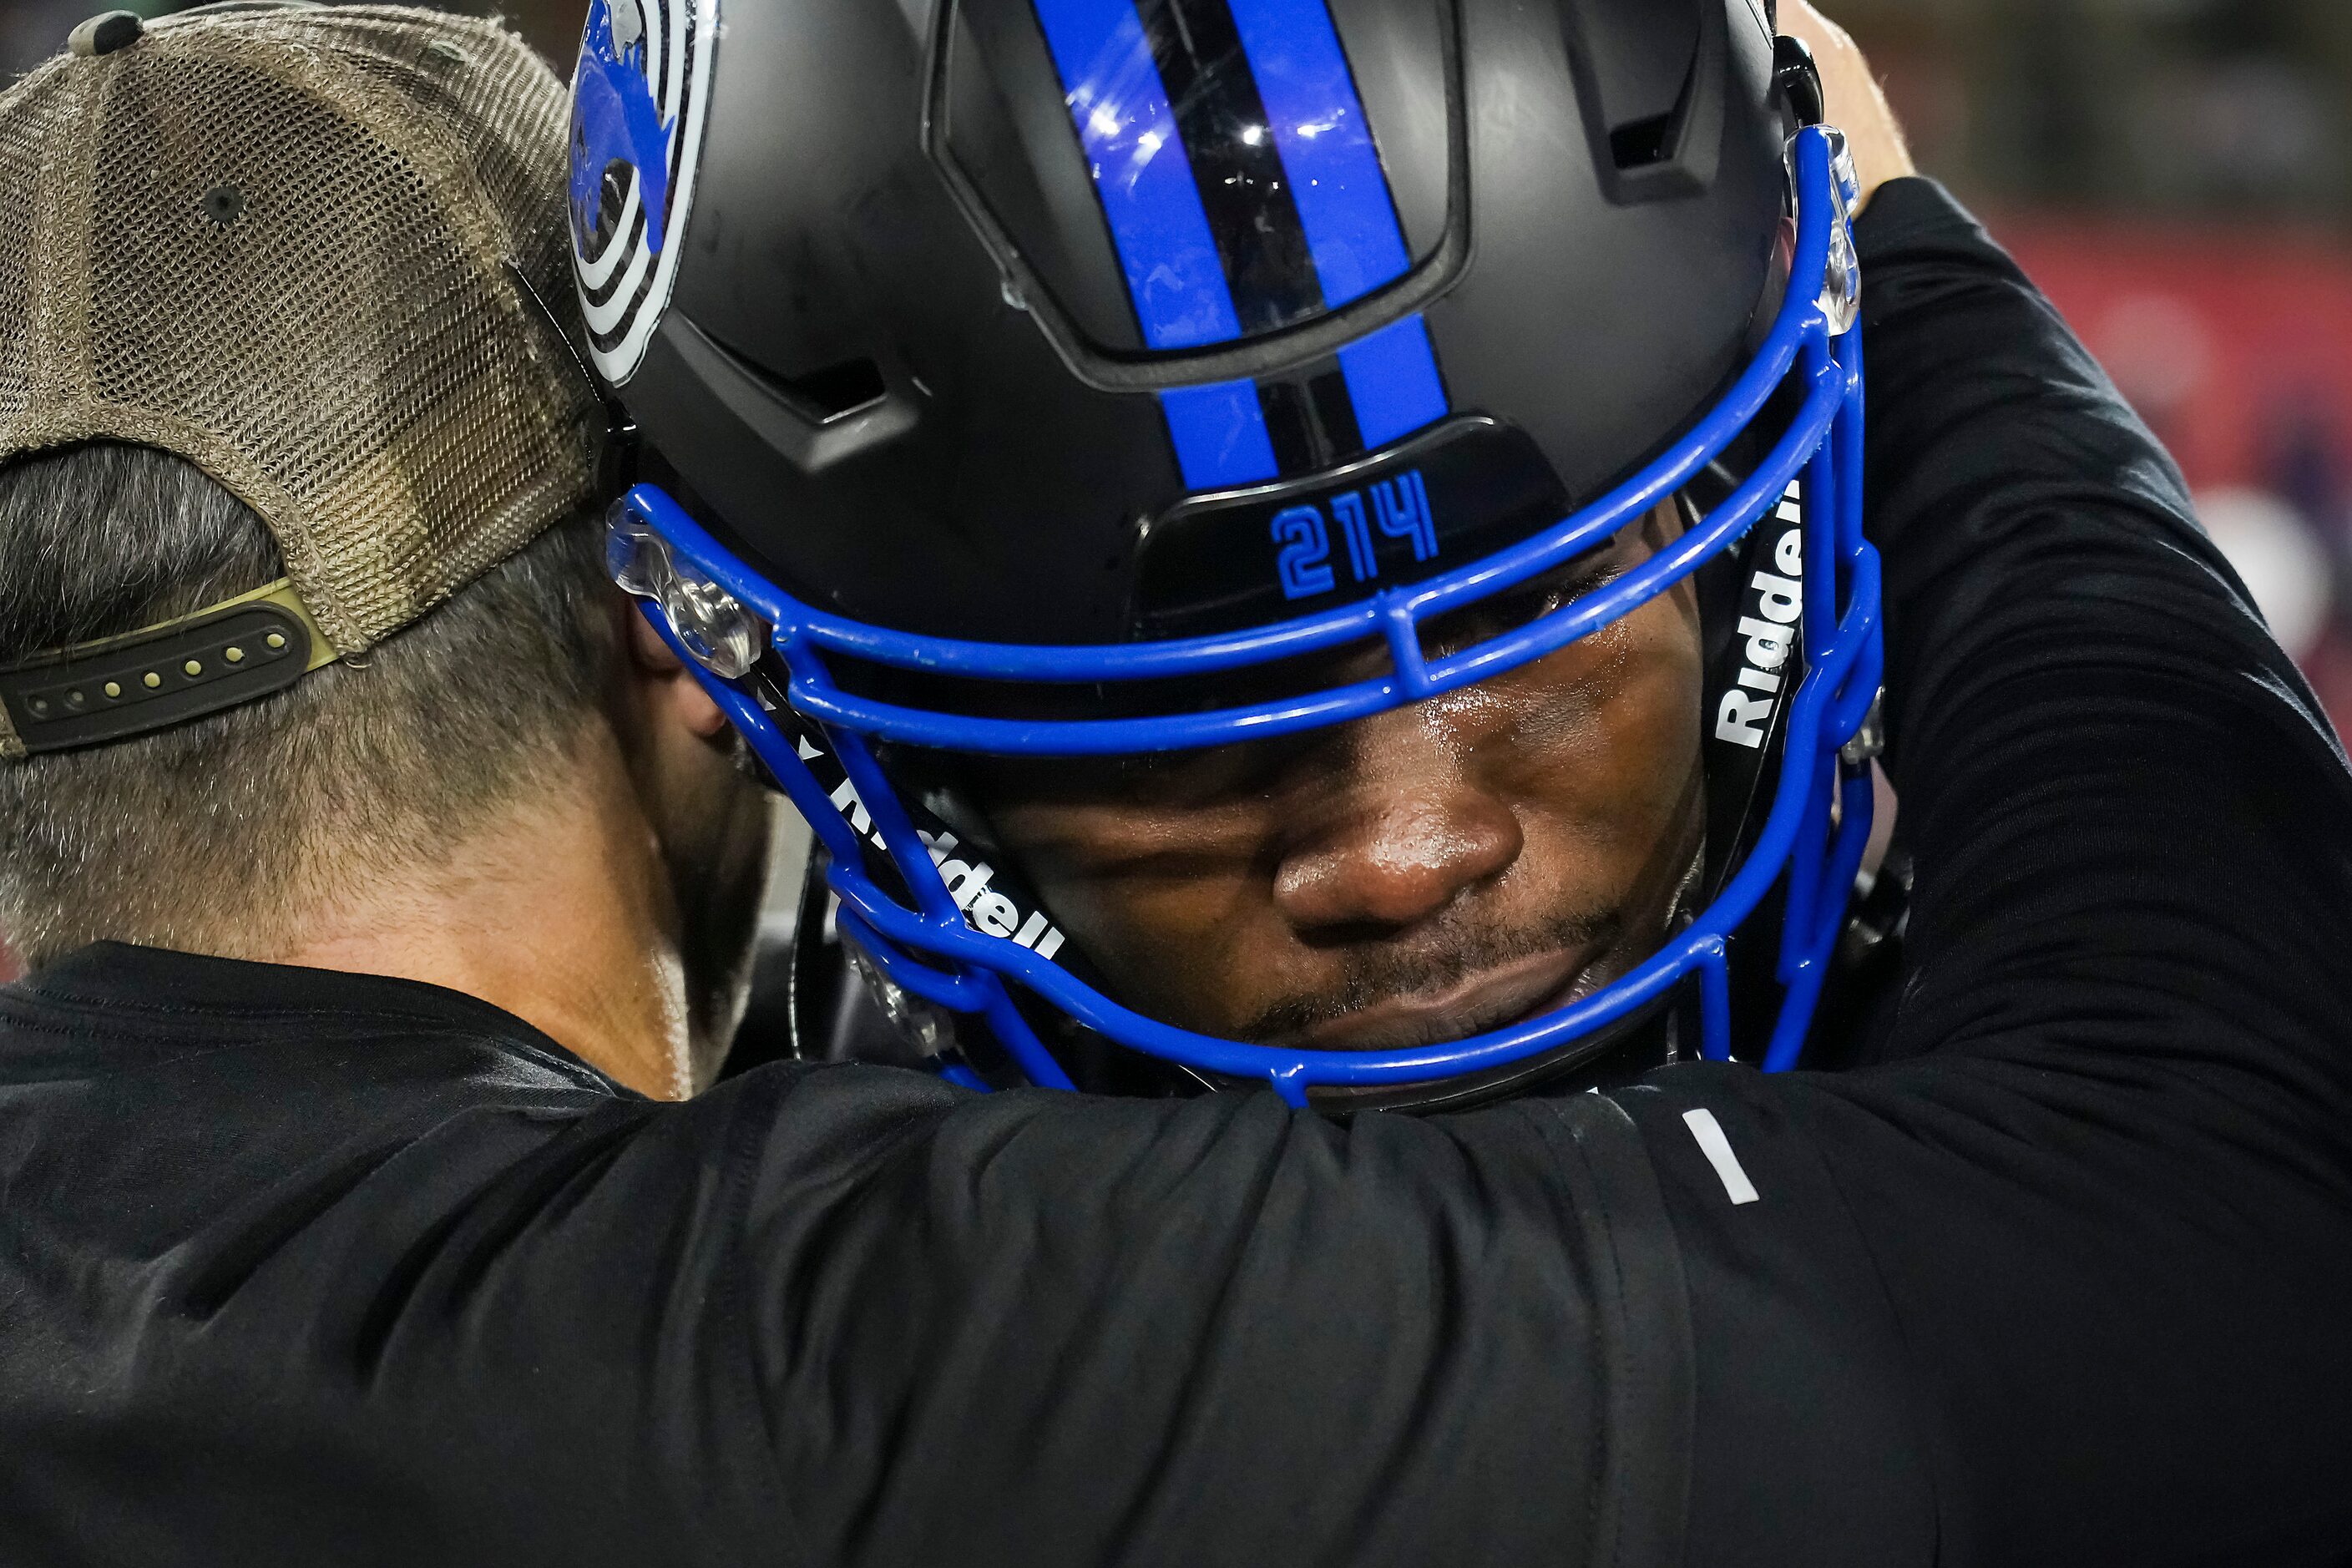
pixel 1856 104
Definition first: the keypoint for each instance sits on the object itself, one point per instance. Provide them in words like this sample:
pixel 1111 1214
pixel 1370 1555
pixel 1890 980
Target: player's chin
pixel 1496 998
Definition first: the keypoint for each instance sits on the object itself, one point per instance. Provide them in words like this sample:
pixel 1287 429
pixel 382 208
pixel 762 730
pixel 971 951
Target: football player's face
pixel 1421 875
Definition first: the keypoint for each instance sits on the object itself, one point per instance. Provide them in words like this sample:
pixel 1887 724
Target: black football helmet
pixel 1045 377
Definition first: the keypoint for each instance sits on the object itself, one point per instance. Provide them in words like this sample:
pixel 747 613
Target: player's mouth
pixel 1492 999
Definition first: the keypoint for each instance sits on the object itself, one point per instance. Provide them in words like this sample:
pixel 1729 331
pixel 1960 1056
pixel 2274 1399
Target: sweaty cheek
pixel 1605 749
pixel 1174 945
pixel 1164 905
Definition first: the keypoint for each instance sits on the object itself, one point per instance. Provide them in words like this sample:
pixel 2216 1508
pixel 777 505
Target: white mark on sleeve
pixel 1717 1149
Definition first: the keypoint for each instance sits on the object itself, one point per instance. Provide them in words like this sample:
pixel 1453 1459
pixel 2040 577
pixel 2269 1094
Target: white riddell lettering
pixel 985 909
pixel 846 801
pixel 994 913
pixel 1767 642
pixel 965 880
pixel 1783 598
pixel 1741 720
pixel 1778 600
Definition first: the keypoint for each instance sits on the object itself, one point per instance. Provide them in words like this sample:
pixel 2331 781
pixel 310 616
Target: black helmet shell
pixel 903 372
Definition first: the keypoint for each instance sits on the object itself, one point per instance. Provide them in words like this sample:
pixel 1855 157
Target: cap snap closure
pixel 105 33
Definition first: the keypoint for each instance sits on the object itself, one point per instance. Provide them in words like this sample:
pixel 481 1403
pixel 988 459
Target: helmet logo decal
pixel 637 102
pixel 1399 509
pixel 617 131
pixel 1243 191
pixel 1772 607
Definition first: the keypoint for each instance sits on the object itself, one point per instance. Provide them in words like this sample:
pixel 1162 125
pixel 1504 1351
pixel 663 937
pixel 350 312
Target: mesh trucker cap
pixel 316 252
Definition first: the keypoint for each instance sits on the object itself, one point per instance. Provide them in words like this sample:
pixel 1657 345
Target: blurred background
pixel 2177 173
pixel 2177 176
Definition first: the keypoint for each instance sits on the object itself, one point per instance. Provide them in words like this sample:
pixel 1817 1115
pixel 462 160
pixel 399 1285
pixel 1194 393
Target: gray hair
pixel 215 834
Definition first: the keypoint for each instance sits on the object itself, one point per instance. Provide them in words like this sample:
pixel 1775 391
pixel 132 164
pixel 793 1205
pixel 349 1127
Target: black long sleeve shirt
pixel 302 1266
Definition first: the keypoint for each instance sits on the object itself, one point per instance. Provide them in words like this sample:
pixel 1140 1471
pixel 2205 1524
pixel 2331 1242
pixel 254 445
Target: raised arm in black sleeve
pixel 2103 1173
pixel 322 1268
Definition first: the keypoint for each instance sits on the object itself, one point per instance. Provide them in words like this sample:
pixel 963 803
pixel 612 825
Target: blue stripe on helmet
pixel 1326 144
pixel 1144 179
pixel 1342 194
pixel 1392 377
pixel 1142 175
pixel 1220 434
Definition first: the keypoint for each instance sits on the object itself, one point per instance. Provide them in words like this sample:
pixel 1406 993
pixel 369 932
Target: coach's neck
pixel 557 909
pixel 614 903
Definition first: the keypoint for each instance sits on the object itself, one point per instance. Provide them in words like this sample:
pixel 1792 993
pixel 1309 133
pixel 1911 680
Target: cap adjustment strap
pixel 164 674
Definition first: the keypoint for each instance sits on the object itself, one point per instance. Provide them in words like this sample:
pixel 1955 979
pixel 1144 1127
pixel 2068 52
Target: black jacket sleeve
pixel 2101 1176
pixel 847 1315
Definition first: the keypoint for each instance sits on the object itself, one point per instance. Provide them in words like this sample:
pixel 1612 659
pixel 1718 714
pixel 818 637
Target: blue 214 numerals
pixel 1399 509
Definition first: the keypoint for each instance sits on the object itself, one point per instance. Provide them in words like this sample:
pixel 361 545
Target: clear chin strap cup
pixel 709 625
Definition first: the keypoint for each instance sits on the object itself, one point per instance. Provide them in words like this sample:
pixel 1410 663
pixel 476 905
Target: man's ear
pixel 671 689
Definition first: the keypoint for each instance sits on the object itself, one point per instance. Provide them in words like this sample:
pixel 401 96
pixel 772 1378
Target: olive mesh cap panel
pixel 292 247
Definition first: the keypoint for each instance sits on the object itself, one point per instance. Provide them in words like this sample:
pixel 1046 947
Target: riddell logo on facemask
pixel 987 909
pixel 1777 600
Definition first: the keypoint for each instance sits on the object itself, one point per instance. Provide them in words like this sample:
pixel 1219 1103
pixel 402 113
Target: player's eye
pixel 1508 612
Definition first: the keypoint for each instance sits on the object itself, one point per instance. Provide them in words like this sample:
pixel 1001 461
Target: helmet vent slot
pixel 837 391
pixel 1651 80
pixel 1642 143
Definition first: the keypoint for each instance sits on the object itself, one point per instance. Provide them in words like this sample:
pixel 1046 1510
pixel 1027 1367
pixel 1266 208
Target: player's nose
pixel 1400 827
